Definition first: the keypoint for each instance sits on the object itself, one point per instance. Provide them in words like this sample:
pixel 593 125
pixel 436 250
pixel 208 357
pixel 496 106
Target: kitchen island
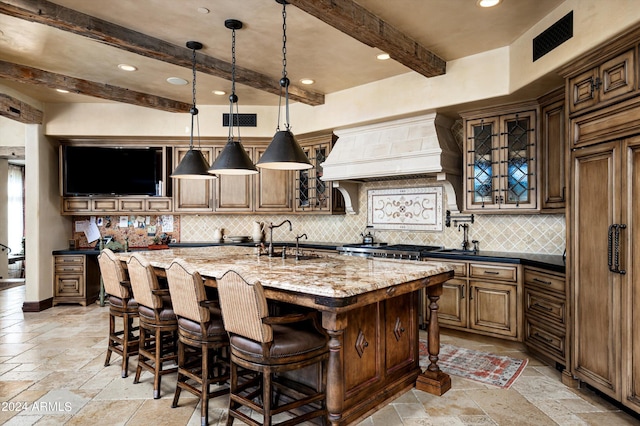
pixel 369 309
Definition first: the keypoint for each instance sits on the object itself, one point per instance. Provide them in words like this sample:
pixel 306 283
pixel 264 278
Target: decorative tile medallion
pixel 418 209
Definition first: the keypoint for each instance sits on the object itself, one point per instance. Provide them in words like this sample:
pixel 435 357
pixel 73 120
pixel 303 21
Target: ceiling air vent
pixel 241 120
pixel 553 36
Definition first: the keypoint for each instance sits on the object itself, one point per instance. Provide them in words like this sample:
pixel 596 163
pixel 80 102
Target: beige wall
pixel 4 213
pixel 46 229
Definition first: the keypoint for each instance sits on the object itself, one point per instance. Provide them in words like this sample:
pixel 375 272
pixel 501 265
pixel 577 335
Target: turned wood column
pixel 335 326
pixel 433 380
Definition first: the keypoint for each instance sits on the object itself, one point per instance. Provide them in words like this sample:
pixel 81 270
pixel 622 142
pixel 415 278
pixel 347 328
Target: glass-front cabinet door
pixel 500 167
pixel 312 194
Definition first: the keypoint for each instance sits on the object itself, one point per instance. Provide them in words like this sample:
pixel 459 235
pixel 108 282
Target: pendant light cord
pixel 233 99
pixel 284 81
pixel 194 110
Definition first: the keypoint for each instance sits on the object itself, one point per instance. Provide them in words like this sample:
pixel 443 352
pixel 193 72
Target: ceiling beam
pixel 357 22
pixel 17 110
pixel 34 76
pixel 53 15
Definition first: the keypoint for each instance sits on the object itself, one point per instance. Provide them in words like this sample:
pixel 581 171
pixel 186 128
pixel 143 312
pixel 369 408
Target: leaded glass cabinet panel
pixel 501 162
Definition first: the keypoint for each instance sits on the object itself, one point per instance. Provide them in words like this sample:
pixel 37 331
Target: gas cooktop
pixel 395 251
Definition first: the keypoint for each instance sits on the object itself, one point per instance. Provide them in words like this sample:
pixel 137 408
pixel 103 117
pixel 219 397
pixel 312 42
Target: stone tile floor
pixel 52 373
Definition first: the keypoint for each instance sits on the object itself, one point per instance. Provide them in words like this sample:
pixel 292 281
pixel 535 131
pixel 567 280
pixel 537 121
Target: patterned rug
pixel 483 367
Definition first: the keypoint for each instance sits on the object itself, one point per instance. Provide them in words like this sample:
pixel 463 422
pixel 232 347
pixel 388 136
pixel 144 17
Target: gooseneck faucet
pixel 298 244
pixel 271 226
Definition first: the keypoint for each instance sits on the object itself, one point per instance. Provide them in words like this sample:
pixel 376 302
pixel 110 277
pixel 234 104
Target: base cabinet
pixel 545 314
pixel 482 298
pixel 76 279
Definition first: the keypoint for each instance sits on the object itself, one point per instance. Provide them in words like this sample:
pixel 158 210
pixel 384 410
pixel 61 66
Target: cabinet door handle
pixel 462 292
pixel 492 272
pixel 538 280
pixel 613 248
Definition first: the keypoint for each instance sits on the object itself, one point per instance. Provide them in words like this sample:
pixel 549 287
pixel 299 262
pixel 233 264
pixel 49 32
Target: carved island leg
pixel 335 372
pixel 433 380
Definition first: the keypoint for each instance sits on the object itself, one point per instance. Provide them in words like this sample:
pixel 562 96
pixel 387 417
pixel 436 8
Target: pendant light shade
pixel 193 165
pixel 233 160
pixel 284 153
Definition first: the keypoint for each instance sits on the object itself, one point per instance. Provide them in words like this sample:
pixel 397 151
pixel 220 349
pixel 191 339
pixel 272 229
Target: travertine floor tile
pixel 56 358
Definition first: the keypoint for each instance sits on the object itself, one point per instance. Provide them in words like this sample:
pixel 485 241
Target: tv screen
pixel 89 170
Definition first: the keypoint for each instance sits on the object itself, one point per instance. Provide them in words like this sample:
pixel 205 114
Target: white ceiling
pixel 449 28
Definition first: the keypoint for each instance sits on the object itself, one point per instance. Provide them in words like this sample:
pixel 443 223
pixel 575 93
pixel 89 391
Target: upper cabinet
pixel 313 195
pixel 501 159
pixel 600 85
pixel 552 151
pixel 269 191
pixel 192 195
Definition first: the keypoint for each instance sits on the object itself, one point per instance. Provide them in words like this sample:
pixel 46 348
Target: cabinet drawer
pixel 73 204
pixel 69 269
pixel 69 285
pixel 494 272
pixel 459 268
pixel 544 281
pixel 69 260
pixel 159 204
pixel 545 306
pixel 131 205
pixel 545 340
pixel 105 205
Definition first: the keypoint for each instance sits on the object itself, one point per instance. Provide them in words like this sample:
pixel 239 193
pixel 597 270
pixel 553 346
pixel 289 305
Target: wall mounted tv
pixel 92 170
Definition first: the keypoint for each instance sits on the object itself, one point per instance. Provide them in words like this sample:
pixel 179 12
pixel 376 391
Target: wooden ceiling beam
pixel 34 76
pixel 17 110
pixel 56 16
pixel 357 22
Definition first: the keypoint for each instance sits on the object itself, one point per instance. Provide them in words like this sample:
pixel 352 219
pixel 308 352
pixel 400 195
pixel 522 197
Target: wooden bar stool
pixel 158 322
pixel 121 305
pixel 271 347
pixel 203 343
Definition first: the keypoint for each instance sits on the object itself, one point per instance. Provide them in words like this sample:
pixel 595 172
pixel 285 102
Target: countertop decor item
pixel 482 367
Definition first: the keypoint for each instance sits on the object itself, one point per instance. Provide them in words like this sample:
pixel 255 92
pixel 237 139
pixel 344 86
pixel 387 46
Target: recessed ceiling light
pixel 219 92
pixel 127 67
pixel 177 81
pixel 203 10
pixel 307 81
pixel 488 3
pixel 62 90
pixel 383 56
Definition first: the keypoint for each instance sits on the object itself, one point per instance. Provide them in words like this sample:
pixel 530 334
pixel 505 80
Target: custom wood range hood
pixel 421 146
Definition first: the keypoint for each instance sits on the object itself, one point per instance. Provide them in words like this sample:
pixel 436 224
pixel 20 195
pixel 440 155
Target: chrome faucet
pixel 271 226
pixel 465 237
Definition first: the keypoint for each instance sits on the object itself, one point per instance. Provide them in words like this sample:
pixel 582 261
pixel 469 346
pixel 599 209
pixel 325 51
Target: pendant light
pixel 284 153
pixel 233 160
pixel 193 165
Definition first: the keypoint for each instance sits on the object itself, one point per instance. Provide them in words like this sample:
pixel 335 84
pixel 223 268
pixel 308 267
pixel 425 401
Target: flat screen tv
pixel 89 170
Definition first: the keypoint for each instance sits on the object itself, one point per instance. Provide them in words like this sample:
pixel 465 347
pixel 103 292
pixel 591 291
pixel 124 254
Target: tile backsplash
pixel 521 233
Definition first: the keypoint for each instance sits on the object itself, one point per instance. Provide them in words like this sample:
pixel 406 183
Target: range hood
pixel 422 146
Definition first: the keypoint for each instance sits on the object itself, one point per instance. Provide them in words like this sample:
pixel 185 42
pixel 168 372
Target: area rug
pixel 483 367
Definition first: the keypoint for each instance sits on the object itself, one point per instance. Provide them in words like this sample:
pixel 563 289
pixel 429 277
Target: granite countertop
pixel 554 263
pixel 328 275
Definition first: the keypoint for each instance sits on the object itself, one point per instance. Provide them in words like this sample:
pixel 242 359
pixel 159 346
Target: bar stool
pixel 158 322
pixel 121 305
pixel 203 343
pixel 270 346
